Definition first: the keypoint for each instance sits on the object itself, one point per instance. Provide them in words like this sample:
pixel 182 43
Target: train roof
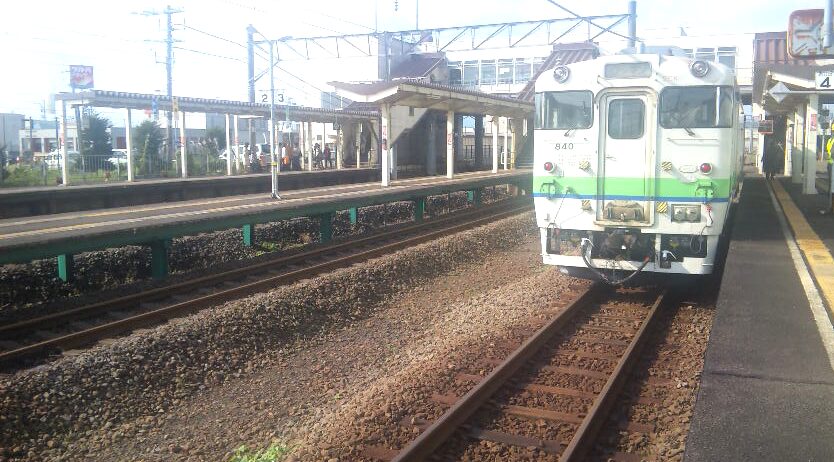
pixel 654 70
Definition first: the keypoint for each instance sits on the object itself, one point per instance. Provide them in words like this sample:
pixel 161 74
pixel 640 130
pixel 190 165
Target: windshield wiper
pixel 568 131
pixel 689 131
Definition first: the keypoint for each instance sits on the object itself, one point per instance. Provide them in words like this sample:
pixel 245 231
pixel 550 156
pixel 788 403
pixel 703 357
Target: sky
pixel 123 41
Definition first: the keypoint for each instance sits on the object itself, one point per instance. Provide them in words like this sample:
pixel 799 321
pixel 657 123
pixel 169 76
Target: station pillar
pixel 506 153
pixel 159 258
pixel 810 150
pixel 241 157
pixel 325 227
pixel 431 153
pixel 393 150
pixel 310 145
pixel 340 147
pixel 129 145
pixel 354 215
pixel 228 146
pixel 479 142
pixel 63 144
pixel 494 144
pixel 386 124
pixel 419 209
pixel 450 144
pixel 183 147
pixel 66 267
pixel 793 161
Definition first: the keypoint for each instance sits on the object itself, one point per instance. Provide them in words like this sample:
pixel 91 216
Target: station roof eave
pixel 795 83
pixel 142 101
pixel 434 96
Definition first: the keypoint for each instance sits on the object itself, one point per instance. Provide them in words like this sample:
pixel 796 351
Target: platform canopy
pixel 434 96
pixel 124 100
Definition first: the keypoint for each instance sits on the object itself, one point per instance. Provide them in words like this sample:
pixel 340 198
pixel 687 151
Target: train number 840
pixel 561 146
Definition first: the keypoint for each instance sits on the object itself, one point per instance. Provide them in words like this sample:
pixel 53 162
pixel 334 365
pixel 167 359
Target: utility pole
pixel 250 54
pixel 169 59
pixel 169 64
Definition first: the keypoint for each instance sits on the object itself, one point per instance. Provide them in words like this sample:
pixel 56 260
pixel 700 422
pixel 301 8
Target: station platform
pixel 24 202
pixel 767 385
pixel 65 234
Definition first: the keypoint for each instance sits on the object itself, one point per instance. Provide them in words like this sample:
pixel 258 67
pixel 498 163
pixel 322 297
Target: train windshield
pixel 563 110
pixel 696 107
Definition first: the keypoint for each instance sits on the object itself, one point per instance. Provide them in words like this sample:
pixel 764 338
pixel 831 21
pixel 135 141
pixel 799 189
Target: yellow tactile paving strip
pixel 816 254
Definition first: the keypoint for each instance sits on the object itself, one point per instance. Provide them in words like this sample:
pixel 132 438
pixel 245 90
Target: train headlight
pixel 549 167
pixel 705 168
pixel 699 68
pixel 561 74
pixel 686 213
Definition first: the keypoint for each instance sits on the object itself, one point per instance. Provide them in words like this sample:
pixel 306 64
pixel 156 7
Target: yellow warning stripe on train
pixel 816 253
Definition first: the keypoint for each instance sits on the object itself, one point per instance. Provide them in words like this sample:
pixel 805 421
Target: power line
pixel 215 36
pixel 209 54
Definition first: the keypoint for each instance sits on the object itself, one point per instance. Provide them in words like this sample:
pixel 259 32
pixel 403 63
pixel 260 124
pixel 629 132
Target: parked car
pixel 119 158
pixel 53 159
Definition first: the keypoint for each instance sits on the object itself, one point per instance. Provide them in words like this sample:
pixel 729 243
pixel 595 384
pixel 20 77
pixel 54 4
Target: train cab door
pixel 625 185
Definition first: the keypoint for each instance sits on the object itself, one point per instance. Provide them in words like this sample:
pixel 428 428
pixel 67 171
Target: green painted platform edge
pixel 24 253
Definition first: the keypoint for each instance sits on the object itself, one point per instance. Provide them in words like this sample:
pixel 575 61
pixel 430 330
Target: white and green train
pixel 637 161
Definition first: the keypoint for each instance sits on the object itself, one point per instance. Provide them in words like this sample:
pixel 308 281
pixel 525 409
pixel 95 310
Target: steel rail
pixel 18 329
pixel 88 336
pixel 583 440
pixel 428 441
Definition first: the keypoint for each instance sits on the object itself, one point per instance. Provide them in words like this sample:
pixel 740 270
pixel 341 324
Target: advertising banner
pixel 81 77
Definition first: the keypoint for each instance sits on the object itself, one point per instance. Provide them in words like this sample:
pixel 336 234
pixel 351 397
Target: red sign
pixel 805 35
pixel 766 127
pixel 81 76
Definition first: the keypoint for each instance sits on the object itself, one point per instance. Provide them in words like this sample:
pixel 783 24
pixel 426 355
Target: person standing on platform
pixel 327 158
pixel 770 159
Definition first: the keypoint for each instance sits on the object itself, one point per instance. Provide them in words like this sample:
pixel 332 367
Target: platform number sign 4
pixel 824 80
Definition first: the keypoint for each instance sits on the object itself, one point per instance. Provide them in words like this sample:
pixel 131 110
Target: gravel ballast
pixel 31 289
pixel 122 390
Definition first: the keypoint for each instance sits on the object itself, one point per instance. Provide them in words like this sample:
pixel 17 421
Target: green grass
pixel 273 453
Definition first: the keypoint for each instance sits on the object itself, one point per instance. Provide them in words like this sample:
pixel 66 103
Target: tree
pixel 147 145
pixel 96 144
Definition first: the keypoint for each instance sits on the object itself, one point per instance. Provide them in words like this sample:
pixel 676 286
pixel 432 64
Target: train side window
pixel 626 118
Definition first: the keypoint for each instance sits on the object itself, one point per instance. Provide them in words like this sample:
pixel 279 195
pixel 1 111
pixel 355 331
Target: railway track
pixel 561 384
pixel 31 341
